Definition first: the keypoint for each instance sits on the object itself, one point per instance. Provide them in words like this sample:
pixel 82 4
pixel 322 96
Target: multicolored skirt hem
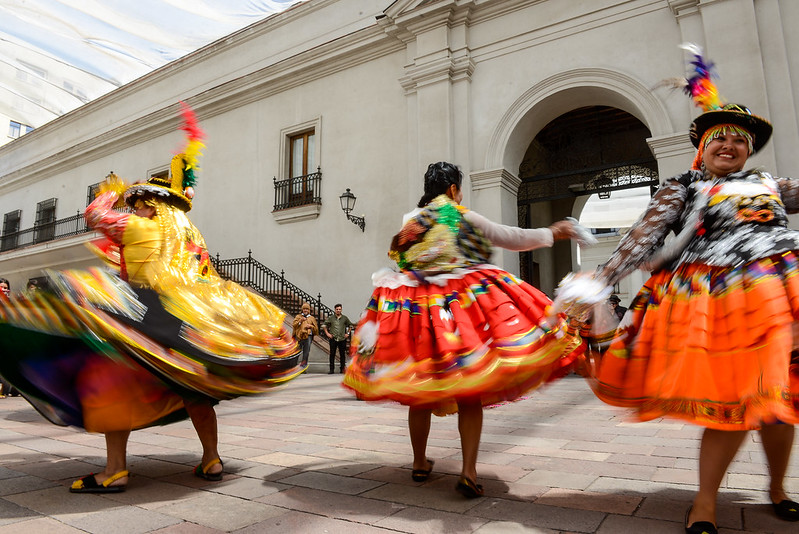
pixel 480 334
pixel 711 345
pixel 101 355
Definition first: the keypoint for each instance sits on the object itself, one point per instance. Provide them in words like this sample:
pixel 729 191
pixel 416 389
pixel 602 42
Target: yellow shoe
pixel 88 484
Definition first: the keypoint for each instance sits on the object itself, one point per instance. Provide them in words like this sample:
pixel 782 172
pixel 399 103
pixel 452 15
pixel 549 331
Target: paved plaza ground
pixel 309 458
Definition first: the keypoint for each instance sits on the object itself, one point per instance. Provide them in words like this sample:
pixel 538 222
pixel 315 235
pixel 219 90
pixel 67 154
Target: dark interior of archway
pixel 587 137
pixel 568 151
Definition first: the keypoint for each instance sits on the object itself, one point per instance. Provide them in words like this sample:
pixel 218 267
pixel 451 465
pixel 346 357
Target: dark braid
pixel 437 180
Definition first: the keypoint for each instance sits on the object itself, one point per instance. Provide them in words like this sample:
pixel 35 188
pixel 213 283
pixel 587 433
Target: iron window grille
pixel 10 237
pixel 91 192
pixel 44 228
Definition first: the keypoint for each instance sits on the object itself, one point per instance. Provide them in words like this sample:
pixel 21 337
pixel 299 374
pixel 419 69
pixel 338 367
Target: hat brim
pixel 759 127
pixel 176 199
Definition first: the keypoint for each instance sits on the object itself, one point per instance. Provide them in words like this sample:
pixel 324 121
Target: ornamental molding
pixel 338 55
pixel 671 145
pixel 400 13
pixel 452 69
pixel 682 8
pixel 639 99
pixel 495 178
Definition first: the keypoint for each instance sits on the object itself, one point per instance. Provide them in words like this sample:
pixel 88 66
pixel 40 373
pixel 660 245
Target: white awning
pixel 621 210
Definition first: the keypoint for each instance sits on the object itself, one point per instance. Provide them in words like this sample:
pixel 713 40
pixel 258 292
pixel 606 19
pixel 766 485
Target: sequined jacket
pixel 742 217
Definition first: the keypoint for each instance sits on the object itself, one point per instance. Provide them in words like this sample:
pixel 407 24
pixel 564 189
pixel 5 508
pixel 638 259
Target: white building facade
pixel 535 100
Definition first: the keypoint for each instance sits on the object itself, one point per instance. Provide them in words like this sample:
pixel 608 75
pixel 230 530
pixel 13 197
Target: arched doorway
pixel 591 149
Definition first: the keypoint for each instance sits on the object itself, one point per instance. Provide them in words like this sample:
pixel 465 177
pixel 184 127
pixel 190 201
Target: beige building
pixel 540 102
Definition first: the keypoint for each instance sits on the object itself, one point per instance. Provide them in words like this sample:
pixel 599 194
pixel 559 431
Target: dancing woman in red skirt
pixel 450 332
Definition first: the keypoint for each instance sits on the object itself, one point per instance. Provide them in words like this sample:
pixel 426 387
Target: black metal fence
pixel 298 191
pixel 287 296
pixel 44 232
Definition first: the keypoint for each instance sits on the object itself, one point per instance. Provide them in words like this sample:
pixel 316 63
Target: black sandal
pixel 786 510
pixel 469 488
pixel 699 527
pixel 421 475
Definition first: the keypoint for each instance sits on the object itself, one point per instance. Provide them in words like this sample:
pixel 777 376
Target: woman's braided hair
pixel 438 178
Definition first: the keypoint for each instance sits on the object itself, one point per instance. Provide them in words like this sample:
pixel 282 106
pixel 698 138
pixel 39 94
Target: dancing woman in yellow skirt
pixel 709 338
pixel 162 339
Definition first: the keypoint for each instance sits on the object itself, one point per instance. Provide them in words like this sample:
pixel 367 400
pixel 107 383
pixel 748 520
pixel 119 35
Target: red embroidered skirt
pixel 475 335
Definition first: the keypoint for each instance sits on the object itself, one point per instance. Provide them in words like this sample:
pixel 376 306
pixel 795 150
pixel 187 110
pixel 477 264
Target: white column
pixel 494 194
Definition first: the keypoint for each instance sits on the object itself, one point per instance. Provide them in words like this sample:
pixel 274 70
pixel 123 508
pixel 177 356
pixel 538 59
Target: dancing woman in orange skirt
pixel 708 339
pixel 450 333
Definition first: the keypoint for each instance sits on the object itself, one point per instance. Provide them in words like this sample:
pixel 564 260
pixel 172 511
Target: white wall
pixel 469 82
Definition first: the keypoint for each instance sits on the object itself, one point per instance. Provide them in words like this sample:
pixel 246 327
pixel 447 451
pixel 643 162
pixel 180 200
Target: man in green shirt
pixel 337 328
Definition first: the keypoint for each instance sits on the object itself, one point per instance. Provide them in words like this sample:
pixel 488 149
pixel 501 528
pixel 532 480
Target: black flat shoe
pixel 699 527
pixel 468 488
pixel 786 510
pixel 421 475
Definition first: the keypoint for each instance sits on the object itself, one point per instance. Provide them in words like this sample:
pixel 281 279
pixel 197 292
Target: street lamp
pixel 347 205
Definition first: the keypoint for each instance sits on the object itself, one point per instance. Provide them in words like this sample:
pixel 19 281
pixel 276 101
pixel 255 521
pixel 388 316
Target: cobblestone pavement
pixel 308 457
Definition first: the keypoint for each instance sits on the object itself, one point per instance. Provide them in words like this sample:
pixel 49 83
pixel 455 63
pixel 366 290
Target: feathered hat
pixel 702 90
pixel 178 187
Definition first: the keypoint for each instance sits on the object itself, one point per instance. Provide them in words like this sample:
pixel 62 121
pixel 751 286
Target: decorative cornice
pixel 495 178
pixel 682 8
pixel 407 20
pixel 66 248
pixel 671 145
pixel 135 132
pixel 439 70
pixel 554 30
pixel 341 54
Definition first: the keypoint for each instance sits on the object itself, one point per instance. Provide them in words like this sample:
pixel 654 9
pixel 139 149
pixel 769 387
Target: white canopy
pixel 56 55
pixel 621 210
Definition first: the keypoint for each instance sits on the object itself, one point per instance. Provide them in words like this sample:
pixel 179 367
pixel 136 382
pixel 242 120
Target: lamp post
pixel 347 205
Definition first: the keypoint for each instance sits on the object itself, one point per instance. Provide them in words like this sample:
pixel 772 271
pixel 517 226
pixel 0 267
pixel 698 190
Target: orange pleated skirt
pixel 710 345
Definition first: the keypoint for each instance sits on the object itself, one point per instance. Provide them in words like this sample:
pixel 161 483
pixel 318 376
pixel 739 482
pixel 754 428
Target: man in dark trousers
pixel 337 328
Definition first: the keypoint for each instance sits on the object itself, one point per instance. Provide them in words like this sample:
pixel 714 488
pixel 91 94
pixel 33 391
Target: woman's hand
pixel 569 228
pixel 562 230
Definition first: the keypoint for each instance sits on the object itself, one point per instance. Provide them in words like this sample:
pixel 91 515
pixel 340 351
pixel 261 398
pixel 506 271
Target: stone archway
pixel 495 189
pixel 562 93
pixel 592 149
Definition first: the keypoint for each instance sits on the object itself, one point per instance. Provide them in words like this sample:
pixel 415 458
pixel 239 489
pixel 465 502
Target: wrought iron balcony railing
pixel 42 233
pixel 298 191
pixel 287 296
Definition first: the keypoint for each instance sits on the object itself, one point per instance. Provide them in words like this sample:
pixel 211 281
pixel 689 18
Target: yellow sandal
pixel 202 470
pixel 88 484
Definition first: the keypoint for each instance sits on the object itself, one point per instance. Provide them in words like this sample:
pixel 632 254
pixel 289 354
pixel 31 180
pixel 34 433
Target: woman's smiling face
pixel 726 153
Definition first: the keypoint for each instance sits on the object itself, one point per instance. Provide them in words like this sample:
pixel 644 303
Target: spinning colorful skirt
pixel 710 343
pixel 450 327
pixel 97 352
